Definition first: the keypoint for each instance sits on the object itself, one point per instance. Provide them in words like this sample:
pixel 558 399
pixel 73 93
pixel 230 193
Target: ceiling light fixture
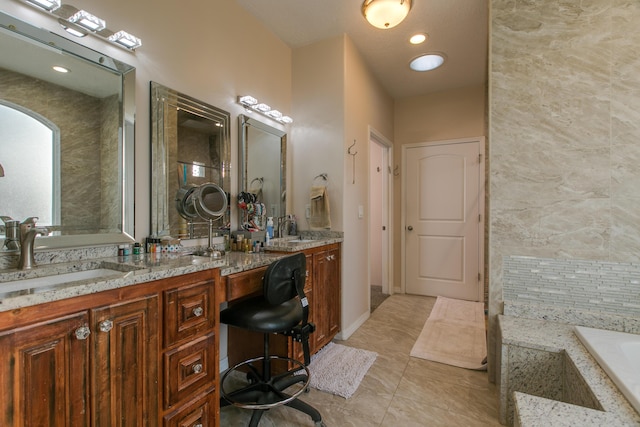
pixel 427 62
pixel 251 104
pixel 385 14
pixel 60 69
pixel 418 38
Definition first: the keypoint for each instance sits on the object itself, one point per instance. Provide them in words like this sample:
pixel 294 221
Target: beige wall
pixel 438 116
pixel 564 133
pixel 336 100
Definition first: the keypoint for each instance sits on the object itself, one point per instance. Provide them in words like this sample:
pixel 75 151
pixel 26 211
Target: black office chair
pixel 282 309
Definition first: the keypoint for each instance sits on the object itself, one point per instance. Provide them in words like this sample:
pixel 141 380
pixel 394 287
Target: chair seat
pixel 257 315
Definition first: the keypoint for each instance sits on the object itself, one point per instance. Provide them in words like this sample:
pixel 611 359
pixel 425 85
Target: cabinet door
pixel 326 296
pixel 44 373
pixel 125 366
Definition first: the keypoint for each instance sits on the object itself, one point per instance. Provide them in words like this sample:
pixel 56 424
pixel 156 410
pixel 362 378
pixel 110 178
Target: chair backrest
pixel 283 277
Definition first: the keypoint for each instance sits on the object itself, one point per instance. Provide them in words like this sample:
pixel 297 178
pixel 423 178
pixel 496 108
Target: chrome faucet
pixel 282 221
pixel 28 232
pixel 11 233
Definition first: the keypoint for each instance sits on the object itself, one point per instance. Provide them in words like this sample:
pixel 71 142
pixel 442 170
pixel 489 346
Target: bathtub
pixel 618 353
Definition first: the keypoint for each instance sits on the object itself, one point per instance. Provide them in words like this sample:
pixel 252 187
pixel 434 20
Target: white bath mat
pixel 454 334
pixel 339 369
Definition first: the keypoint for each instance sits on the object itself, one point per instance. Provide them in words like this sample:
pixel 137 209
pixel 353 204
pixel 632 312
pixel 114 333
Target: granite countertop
pixel 127 271
pixel 560 337
pixel 135 269
pixel 296 244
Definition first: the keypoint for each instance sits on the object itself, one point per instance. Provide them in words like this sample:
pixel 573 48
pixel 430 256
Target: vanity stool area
pixel 548 378
pixel 141 346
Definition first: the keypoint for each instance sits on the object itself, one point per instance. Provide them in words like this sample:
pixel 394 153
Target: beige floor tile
pixel 398 390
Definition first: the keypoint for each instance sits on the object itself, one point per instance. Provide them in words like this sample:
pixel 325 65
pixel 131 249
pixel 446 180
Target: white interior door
pixel 443 225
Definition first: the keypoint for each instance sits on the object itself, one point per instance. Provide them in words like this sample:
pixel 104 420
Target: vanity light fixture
pixel 79 23
pixel 262 107
pixel 125 39
pixel 48 5
pixel 73 29
pixel 251 104
pixel 88 21
pixel 385 14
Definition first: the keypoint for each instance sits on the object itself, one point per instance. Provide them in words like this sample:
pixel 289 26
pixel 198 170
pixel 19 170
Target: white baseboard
pixel 346 333
pixel 224 364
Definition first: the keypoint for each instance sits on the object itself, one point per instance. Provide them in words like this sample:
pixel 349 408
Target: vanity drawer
pixel 245 283
pixel 200 412
pixel 189 368
pixel 188 311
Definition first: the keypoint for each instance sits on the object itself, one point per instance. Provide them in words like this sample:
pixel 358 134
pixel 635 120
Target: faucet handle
pixel 31 220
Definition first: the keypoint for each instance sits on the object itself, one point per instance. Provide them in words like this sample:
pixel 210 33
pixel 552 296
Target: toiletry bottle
pixel 270 227
pixel 293 230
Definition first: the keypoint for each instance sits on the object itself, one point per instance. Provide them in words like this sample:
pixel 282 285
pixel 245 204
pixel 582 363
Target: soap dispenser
pixel 270 227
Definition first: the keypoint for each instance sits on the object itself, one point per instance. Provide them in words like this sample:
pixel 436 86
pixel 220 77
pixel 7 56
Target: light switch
pixel 307 211
pixel 360 211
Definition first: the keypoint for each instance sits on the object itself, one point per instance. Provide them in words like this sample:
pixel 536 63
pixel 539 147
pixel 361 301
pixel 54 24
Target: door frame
pixel 387 214
pixel 481 207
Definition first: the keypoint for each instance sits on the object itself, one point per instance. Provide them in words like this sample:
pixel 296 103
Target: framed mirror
pixel 67 150
pixel 263 158
pixel 190 161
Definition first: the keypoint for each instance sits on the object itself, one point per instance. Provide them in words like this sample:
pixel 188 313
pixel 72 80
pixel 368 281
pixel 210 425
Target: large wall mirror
pixel 263 158
pixel 67 151
pixel 190 155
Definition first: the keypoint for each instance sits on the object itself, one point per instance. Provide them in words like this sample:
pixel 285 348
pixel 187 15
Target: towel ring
pixel 260 180
pixel 324 177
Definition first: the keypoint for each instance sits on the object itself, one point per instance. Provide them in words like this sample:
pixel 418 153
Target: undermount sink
pixel 300 241
pixel 57 279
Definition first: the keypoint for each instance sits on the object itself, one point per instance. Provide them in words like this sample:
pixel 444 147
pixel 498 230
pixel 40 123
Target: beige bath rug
pixel 454 334
pixel 339 369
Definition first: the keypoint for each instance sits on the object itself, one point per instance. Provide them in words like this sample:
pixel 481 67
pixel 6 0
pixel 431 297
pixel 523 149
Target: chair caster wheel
pixel 320 424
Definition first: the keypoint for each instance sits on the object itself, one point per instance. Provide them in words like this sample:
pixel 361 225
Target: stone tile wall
pixel 564 133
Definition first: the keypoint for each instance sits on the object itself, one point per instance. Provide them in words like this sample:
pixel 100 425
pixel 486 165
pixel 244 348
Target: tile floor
pixel 398 390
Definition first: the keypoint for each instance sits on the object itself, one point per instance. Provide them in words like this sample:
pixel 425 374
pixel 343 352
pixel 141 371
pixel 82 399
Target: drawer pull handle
pixel 197 425
pixel 198 311
pixel 83 332
pixel 197 368
pixel 105 325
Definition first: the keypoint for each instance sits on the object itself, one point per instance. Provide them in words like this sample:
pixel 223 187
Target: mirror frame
pixel 162 201
pixel 244 122
pixel 50 40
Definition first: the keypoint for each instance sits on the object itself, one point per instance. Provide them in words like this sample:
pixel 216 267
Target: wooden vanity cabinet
pixel 96 360
pixel 322 288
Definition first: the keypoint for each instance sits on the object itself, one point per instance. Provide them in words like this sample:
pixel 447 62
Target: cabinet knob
pixel 83 332
pixel 198 311
pixel 105 325
pixel 197 368
pixel 197 425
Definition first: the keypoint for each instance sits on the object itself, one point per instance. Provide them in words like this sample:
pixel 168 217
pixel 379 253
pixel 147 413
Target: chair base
pixel 262 394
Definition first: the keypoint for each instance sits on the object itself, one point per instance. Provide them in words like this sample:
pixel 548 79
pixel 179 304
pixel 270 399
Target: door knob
pixel 410 228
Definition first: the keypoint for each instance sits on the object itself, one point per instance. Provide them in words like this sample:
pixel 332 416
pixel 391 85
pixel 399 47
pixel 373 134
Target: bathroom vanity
pixel 142 346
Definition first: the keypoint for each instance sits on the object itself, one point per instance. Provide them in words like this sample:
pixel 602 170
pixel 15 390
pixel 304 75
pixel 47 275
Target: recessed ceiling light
pixel 60 69
pixel 427 62
pixel 418 38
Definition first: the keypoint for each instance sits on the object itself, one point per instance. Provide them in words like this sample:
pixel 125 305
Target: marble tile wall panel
pixel 564 125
